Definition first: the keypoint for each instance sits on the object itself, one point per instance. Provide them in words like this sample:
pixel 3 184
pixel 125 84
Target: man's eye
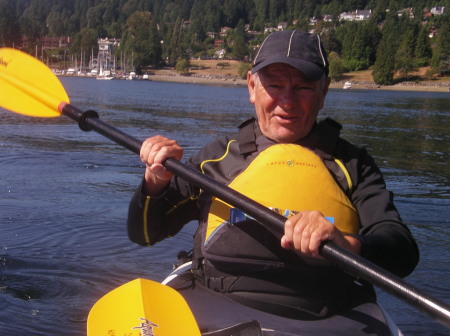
pixel 303 88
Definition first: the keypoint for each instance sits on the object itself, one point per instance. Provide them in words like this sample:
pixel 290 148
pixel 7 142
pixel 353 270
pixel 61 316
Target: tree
pixel 261 8
pixel 94 18
pixel 422 50
pixel 240 47
pixel 243 69
pixel 141 39
pixel 404 61
pixel 9 27
pixel 182 66
pixel 85 40
pixel 336 66
pixel 440 61
pixel 384 67
pixel 173 43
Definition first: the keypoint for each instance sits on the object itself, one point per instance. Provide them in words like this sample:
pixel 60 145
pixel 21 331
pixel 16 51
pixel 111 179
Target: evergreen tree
pixel 440 61
pixel 404 61
pixel 422 50
pixel 9 27
pixel 141 40
pixel 384 67
pixel 174 43
pixel 240 48
pixel 261 14
pixel 85 40
pixel 360 49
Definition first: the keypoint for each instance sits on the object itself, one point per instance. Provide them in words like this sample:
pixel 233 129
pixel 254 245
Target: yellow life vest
pixel 289 178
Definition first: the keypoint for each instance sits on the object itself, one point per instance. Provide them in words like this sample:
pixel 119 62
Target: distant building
pixel 224 31
pixel 51 43
pixel 268 30
pixel 186 24
pixel 358 15
pixel 439 10
pixel 313 21
pixel 219 42
pixel 105 58
pixel 47 43
pixel 220 54
pixel 282 26
pixel 408 12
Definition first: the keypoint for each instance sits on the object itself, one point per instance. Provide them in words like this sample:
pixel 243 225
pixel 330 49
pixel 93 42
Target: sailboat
pixel 104 74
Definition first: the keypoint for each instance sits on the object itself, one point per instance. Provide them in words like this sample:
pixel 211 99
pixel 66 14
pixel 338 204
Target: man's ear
pixel 251 86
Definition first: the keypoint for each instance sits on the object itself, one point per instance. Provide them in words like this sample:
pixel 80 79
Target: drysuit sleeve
pixel 152 219
pixel 385 239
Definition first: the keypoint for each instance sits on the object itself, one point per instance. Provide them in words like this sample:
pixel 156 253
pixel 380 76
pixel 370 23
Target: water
pixel 64 193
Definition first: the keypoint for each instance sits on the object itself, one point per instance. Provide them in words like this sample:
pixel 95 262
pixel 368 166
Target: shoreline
pixel 228 80
pixel 356 85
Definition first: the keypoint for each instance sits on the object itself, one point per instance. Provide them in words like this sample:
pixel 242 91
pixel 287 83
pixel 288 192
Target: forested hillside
pixel 160 32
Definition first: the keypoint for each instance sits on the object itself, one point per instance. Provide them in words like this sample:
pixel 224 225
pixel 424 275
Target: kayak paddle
pixel 142 307
pixel 17 77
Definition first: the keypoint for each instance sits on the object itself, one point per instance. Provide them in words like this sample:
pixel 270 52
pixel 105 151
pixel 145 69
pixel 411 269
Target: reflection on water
pixel 64 193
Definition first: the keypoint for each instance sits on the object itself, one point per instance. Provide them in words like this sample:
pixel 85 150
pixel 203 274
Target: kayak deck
pixel 215 312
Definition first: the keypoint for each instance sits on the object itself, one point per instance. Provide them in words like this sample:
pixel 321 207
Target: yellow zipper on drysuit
pixel 346 173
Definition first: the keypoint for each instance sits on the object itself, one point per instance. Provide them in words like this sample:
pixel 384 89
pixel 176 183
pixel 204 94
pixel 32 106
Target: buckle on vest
pixel 216 284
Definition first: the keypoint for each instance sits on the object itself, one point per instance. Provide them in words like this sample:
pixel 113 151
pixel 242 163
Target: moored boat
pixel 347 85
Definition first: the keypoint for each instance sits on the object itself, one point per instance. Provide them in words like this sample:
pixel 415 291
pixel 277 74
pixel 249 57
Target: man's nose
pixel 287 99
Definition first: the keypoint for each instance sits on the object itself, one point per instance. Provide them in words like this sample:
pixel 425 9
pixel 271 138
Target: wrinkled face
pixel 286 102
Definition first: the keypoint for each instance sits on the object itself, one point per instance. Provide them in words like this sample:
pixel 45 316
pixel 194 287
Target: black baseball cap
pixel 302 50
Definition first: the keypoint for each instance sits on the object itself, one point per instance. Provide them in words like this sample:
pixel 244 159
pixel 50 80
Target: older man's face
pixel 286 102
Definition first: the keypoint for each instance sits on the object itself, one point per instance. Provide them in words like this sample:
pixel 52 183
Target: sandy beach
pixel 206 72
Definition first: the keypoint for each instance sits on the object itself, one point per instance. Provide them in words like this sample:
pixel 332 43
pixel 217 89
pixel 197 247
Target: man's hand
pixel 307 230
pixel 154 152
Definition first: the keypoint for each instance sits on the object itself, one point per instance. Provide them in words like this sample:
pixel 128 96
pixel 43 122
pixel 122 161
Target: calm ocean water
pixel 64 193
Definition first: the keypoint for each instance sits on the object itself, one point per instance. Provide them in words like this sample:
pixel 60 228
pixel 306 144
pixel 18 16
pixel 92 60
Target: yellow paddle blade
pixel 28 86
pixel 142 307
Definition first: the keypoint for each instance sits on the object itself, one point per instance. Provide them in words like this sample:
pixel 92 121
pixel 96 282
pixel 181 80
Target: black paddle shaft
pixel 347 261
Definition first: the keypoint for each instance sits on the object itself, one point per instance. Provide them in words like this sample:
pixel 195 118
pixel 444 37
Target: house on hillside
pixel 220 54
pixel 268 30
pixel 219 42
pixel 224 31
pixel 357 15
pixel 282 26
pixel 408 12
pixel 439 10
pixel 186 24
pixel 313 21
pixel 51 43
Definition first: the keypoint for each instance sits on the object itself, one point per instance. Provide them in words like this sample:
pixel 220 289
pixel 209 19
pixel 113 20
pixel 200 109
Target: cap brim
pixel 311 70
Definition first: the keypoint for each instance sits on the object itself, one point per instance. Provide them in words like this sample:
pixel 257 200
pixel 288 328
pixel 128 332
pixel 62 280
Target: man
pixel 329 189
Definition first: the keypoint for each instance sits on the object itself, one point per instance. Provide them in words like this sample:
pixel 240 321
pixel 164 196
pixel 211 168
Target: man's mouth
pixel 286 117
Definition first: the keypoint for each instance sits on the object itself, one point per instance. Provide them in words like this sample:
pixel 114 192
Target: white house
pixel 439 10
pixel 357 15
